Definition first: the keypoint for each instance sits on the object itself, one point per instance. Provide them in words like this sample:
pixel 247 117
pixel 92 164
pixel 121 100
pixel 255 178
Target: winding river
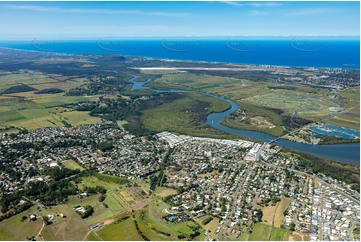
pixel 340 152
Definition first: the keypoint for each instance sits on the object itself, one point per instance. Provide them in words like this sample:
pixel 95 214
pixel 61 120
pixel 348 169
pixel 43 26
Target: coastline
pixel 345 65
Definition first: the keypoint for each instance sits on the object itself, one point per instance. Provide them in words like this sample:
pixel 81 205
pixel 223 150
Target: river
pixel 339 152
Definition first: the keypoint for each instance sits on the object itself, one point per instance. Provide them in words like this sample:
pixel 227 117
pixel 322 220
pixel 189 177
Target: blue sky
pixel 29 20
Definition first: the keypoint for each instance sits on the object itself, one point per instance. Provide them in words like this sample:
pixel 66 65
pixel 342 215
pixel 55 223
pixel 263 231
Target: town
pixel 236 183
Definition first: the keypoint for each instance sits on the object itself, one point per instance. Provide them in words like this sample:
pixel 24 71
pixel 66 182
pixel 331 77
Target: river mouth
pixel 349 153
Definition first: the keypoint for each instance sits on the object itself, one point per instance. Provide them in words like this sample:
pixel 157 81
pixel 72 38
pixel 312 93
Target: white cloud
pixel 252 4
pixel 95 11
pixel 312 11
pixel 264 4
pixel 233 3
pixel 257 13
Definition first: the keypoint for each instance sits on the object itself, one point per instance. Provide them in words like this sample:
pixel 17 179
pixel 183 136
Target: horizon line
pixel 184 37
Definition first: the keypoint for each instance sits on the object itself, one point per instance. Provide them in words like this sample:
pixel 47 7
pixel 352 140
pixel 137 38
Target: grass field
pixel 38 81
pixel 124 230
pixel 92 181
pixel 70 164
pixel 151 224
pixel 101 213
pixel 282 206
pixel 350 119
pixel 297 236
pixel 257 119
pixel 211 226
pixel 263 232
pixel 194 81
pixel 165 192
pixel 73 227
pixel 13 229
pixel 273 215
pixel 32 111
pixel 306 105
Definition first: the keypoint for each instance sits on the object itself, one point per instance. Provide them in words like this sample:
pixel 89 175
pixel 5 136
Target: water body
pixel 333 52
pixel 340 152
pixel 337 131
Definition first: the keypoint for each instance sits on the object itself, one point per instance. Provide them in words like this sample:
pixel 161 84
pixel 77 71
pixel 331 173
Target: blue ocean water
pixel 302 52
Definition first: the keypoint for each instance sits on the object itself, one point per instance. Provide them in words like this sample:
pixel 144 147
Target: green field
pixel 124 230
pixel 23 229
pixel 92 181
pixel 257 119
pixel 350 119
pixel 32 111
pixel 262 232
pixel 73 227
pixel 70 164
pixel 289 101
pixel 187 81
pixel 309 102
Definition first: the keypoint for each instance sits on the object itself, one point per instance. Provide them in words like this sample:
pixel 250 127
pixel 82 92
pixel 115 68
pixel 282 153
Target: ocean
pixel 294 52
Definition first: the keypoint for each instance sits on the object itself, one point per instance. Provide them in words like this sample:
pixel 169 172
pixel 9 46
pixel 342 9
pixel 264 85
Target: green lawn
pixel 124 230
pixel 263 232
pixel 92 181
pixel 70 164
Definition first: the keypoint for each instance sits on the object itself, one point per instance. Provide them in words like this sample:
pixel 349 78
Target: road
pixel 238 191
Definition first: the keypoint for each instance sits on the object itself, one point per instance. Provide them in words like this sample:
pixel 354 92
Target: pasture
pixel 124 230
pixel 23 229
pixel 186 81
pixel 31 111
pixel 307 106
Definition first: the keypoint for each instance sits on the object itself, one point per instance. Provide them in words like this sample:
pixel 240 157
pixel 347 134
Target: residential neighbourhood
pixel 233 183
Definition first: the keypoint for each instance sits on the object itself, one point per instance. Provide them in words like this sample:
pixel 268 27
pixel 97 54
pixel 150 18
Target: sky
pixel 77 20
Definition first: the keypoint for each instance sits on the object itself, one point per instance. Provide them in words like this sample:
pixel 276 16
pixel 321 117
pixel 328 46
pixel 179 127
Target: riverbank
pixel 342 152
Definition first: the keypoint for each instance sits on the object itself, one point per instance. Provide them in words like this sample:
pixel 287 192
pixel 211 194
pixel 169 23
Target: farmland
pixel 31 111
